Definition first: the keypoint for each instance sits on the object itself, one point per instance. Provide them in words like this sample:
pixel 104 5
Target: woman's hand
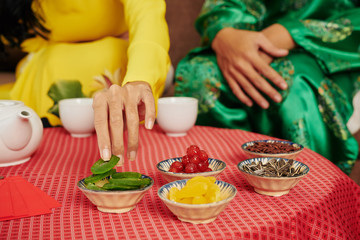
pixel 244 66
pixel 279 36
pixel 118 108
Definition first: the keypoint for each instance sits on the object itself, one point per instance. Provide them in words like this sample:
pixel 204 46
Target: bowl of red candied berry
pixel 195 162
pixel 272 149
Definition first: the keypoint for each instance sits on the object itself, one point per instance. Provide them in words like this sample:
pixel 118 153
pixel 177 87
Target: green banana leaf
pixel 64 89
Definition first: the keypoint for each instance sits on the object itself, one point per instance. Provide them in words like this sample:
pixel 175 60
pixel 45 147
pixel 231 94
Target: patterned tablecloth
pixel 324 205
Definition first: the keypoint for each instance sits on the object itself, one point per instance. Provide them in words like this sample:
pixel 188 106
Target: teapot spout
pixel 24 114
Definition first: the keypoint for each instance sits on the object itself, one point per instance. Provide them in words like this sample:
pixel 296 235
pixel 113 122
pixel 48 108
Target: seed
pixel 274 168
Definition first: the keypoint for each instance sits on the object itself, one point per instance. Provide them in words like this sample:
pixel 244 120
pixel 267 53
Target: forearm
pixel 217 15
pixel 148 58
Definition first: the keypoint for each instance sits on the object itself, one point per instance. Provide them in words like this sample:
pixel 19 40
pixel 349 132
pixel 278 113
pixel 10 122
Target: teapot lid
pixel 8 106
pixel 10 103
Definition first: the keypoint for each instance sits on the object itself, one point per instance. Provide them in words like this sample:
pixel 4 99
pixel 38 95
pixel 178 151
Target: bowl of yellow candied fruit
pixel 197 200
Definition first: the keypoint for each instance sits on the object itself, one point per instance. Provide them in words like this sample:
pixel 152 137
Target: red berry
pixel 191 168
pixel 175 170
pixel 202 166
pixel 203 155
pixel 192 150
pixel 208 170
pixel 185 160
pixel 195 159
pixel 177 165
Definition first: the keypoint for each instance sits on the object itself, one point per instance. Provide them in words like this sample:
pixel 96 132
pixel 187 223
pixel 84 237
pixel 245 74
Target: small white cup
pixel 177 115
pixel 77 116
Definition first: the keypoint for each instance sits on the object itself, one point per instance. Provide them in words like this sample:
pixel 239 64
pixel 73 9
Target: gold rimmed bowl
pixel 163 167
pixel 273 176
pixel 115 201
pixel 197 213
pixel 272 148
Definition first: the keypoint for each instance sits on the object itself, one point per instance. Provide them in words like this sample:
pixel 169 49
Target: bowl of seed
pixel 273 176
pixel 272 148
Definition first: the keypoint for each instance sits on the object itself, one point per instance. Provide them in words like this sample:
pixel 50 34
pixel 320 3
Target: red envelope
pixel 20 199
pixel 29 190
pixel 6 209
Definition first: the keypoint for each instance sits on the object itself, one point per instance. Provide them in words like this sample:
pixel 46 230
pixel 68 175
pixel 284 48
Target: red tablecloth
pixel 324 205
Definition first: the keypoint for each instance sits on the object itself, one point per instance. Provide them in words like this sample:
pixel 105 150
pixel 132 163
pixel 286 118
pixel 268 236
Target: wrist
pixel 227 34
pixel 218 38
pixel 279 36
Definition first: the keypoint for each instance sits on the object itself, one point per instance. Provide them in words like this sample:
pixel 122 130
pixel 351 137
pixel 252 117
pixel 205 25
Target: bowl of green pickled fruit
pixel 111 191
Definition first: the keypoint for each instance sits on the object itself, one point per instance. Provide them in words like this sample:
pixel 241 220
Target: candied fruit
pixel 172 193
pixel 213 193
pixel 193 190
pixel 197 190
pixel 199 200
pixel 186 200
pixel 195 160
pixel 102 182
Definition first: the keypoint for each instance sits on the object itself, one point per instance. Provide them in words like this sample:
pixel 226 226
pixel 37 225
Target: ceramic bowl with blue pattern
pixel 115 201
pixel 197 213
pixel 163 167
pixel 261 151
pixel 273 185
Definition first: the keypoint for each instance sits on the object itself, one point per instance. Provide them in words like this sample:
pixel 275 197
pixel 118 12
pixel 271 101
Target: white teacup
pixel 177 115
pixel 77 116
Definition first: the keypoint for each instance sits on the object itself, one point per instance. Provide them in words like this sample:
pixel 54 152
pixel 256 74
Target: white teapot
pixel 21 131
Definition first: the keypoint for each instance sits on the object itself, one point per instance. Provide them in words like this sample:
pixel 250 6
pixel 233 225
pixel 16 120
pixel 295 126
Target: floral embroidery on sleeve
pixel 332 31
pixel 333 103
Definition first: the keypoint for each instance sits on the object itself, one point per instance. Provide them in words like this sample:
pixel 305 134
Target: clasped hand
pixel 244 57
pixel 118 108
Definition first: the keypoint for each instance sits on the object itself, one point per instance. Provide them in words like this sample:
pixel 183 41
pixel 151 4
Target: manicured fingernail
pixel 132 155
pixel 121 161
pixel 283 86
pixel 106 154
pixel 277 98
pixel 264 105
pixel 149 124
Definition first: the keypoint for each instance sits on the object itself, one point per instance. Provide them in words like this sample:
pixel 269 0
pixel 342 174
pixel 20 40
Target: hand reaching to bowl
pixel 118 108
pixel 243 66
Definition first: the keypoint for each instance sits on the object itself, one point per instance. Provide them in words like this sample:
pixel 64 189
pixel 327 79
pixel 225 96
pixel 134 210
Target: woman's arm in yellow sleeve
pixel 148 58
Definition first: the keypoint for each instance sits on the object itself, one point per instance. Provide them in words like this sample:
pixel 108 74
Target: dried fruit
pixel 203 166
pixel 197 190
pixel 195 160
pixel 191 168
pixel 273 147
pixel 178 166
pixel 185 160
pixel 172 193
pixel 203 155
pixel 193 150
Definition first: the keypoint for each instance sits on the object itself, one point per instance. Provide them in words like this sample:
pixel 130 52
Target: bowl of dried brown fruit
pixel 273 176
pixel 272 148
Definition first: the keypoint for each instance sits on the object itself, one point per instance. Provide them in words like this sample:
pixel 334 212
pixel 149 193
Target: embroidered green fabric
pixel 323 73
